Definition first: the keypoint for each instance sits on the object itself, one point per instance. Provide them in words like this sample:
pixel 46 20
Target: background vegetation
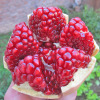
pixel 90 89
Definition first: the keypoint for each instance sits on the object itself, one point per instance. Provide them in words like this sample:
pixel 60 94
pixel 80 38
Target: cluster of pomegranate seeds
pixel 76 35
pixel 52 83
pixel 66 61
pixel 48 45
pixel 31 69
pixel 49 60
pixel 46 23
pixel 21 44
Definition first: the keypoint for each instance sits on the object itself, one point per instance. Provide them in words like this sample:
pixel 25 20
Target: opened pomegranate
pixel 76 35
pixel 49 53
pixel 46 23
pixel 21 44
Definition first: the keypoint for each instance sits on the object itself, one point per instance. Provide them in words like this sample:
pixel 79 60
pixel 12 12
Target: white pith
pixel 57 45
pixel 79 77
pixel 47 67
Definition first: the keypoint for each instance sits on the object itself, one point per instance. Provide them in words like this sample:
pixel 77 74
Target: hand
pixel 11 94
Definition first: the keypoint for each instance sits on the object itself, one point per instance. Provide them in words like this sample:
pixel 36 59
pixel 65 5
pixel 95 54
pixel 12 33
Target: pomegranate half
pixel 78 78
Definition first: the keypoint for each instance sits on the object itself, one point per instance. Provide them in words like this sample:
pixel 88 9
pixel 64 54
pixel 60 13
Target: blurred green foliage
pixel 5 77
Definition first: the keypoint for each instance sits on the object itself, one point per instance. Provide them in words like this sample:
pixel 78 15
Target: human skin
pixel 12 94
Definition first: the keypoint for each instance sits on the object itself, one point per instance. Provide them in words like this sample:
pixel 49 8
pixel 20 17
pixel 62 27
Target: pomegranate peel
pixel 5 64
pixel 66 17
pixel 96 49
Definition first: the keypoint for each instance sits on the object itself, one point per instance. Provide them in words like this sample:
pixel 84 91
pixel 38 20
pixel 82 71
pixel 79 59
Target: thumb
pixel 12 94
pixel 69 97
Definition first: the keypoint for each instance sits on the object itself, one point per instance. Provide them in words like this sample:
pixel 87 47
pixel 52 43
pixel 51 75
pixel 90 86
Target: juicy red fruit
pixel 46 23
pixel 76 35
pixel 21 44
pixel 66 61
pixel 41 63
pixel 31 69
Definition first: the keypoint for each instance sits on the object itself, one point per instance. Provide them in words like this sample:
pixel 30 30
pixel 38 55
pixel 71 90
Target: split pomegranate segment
pixel 76 35
pixel 49 73
pixel 46 23
pixel 66 61
pixel 38 61
pixel 32 69
pixel 21 44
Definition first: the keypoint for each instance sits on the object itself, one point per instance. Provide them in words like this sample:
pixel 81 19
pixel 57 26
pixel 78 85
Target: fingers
pixel 11 94
pixel 70 96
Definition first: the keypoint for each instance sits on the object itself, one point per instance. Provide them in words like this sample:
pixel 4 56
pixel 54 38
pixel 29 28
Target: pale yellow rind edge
pixel 66 18
pixel 96 49
pixel 28 16
pixel 26 89
pixel 79 78
pixel 5 64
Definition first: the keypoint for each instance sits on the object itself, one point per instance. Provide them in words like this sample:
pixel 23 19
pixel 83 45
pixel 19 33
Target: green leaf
pixel 98 74
pixel 1 94
pixel 98 56
pixel 64 9
pixel 88 79
pixel 97 82
pixel 94 96
pixel 79 92
pixel 89 84
pixel 90 92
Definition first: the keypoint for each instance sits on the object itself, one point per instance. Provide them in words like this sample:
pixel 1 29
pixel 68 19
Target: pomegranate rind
pixel 28 16
pixel 79 77
pixel 66 18
pixel 5 64
pixel 96 49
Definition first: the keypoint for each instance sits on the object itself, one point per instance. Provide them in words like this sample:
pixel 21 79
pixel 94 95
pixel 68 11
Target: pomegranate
pixel 76 35
pixel 50 58
pixel 46 23
pixel 21 44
